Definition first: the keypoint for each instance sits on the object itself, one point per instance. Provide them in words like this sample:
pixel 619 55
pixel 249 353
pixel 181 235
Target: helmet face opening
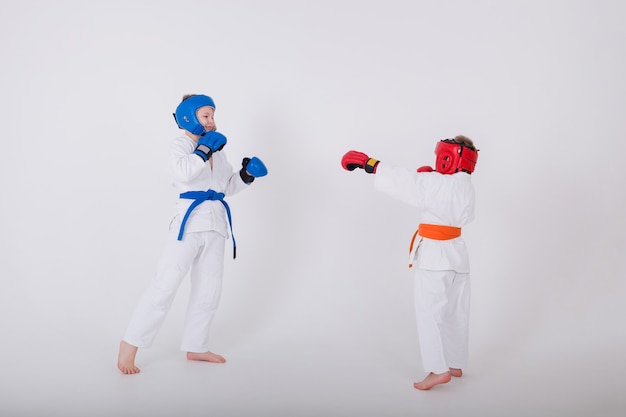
pixel 452 157
pixel 185 114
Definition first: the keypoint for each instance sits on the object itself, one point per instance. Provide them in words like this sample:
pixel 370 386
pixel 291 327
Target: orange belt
pixel 436 232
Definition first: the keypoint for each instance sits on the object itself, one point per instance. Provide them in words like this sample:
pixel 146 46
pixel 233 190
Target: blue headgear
pixel 185 115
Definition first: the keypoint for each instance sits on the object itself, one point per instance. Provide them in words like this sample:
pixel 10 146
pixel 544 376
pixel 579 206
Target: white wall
pixel 87 92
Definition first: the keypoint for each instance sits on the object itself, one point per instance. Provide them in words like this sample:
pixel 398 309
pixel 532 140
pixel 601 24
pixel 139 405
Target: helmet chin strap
pixel 206 131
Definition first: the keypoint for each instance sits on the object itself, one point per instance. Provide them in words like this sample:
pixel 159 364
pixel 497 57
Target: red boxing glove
pixel 425 169
pixel 354 159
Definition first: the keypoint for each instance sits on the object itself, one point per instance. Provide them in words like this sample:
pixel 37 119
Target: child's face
pixel 205 117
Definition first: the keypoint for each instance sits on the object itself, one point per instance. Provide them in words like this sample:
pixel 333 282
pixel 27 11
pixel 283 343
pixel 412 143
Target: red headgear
pixel 454 157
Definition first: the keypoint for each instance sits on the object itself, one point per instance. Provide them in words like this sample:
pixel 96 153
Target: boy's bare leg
pixel 205 356
pixel 126 359
pixel 433 379
pixel 456 372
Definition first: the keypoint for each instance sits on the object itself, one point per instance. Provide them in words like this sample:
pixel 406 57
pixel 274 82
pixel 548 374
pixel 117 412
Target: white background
pixel 317 314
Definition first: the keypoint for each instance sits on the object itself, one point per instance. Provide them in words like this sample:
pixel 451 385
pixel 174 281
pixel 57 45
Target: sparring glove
pixel 354 159
pixel 252 168
pixel 208 143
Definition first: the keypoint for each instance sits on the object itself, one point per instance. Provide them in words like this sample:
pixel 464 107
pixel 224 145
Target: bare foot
pixel 126 359
pixel 456 372
pixel 433 379
pixel 205 356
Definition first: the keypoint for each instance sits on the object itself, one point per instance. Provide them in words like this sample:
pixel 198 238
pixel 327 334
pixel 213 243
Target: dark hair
pixel 465 141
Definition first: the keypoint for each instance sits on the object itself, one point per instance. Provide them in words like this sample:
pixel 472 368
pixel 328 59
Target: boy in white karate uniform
pixel 203 177
pixel 445 199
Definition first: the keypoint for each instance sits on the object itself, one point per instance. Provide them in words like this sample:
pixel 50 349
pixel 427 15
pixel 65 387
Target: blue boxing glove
pixel 252 168
pixel 208 143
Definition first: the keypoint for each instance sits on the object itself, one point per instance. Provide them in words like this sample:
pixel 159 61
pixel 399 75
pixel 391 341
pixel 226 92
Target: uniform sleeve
pixel 235 184
pixel 230 178
pixel 400 183
pixel 184 165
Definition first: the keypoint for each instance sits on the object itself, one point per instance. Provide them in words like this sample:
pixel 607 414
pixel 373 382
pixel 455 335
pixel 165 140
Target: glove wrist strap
pixel 247 178
pixel 371 165
pixel 203 152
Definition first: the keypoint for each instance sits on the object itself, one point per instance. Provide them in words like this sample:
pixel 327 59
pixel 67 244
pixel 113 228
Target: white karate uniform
pixel 201 250
pixel 441 280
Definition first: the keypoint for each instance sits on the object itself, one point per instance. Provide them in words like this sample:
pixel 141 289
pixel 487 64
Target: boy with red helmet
pixel 445 201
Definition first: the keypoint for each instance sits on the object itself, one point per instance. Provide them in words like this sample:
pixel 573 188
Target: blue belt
pixel 200 197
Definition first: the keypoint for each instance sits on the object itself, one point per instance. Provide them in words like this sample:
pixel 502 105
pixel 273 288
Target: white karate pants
pixel 442 301
pixel 203 252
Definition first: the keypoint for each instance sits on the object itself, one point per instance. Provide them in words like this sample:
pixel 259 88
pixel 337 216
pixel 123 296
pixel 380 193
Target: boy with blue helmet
pixel 203 177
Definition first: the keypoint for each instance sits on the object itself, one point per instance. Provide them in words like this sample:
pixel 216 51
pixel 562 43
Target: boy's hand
pixel 211 142
pixel 354 159
pixel 252 168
